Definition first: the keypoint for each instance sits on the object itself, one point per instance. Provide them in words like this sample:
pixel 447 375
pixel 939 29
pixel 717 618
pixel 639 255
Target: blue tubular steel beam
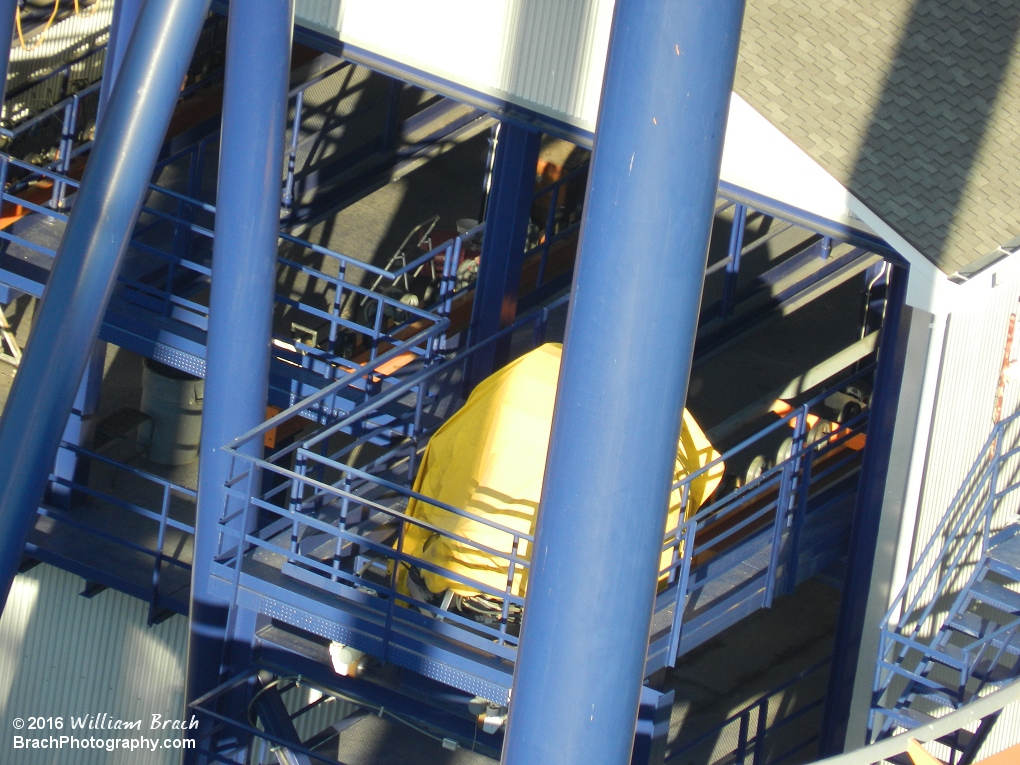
pixel 867 515
pixel 79 424
pixel 506 230
pixel 116 181
pixel 623 381
pixel 241 299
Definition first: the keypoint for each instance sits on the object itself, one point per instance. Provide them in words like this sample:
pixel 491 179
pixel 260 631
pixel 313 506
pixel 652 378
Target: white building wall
pixel 63 655
pixel 962 421
pixel 945 416
pixel 544 55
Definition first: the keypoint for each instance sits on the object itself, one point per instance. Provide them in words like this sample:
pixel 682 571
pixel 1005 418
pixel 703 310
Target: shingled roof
pixel 914 105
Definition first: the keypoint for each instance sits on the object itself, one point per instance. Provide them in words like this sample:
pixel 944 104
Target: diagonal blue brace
pixel 115 183
pixel 623 381
pixel 80 424
pixel 241 300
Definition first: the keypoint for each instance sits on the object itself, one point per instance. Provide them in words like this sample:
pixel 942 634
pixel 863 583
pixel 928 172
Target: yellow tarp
pixel 489 459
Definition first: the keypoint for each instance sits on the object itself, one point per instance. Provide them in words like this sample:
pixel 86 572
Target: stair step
pixel 971 624
pixel 958 741
pixel 997 596
pixel 976 627
pixel 908 718
pixel 994 674
pixel 949 655
pixel 1007 553
pixel 944 698
pixel 1004 535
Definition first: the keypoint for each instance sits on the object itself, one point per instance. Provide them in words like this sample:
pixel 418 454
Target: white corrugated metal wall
pixel 962 420
pixel 546 55
pixel 64 655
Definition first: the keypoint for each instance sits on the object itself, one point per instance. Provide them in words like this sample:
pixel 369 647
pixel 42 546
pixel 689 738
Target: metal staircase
pixel 953 632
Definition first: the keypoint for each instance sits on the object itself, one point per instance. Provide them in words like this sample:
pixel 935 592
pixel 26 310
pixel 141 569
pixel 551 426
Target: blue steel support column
pixel 867 516
pixel 241 301
pixel 115 183
pixel 623 381
pixel 506 231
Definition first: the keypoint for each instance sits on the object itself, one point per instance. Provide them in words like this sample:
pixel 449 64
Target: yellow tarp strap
pixel 489 459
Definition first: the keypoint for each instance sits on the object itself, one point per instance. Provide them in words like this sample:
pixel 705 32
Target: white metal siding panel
pixel 962 420
pixel 320 15
pixel 961 423
pixel 1005 734
pixel 70 38
pixel 63 655
pixel 546 55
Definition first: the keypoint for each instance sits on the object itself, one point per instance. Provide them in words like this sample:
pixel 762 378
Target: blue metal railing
pixel 154 498
pixel 160 288
pixel 768 717
pixel 772 508
pixel 944 569
pixel 72 97
pixel 57 84
pixel 316 494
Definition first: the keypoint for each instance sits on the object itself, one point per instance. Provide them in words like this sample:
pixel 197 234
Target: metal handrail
pixel 891 747
pixel 760 706
pixel 377 335
pixel 789 481
pixel 965 528
pixel 970 488
pixel 167 487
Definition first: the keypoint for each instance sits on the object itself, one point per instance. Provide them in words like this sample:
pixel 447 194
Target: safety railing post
pixel 295 135
pixel 680 602
pixel 787 486
pixel 345 506
pixel 740 756
pixel 826 248
pixel 993 482
pixel 297 492
pixel 241 535
pixel 157 565
pixel 804 458
pixel 377 323
pixel 64 152
pixel 392 601
pixel 733 261
pixel 4 167
pixel 334 316
pixel 419 403
pixel 758 757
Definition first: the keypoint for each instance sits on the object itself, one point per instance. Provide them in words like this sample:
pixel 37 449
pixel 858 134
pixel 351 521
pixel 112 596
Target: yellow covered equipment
pixel 489 459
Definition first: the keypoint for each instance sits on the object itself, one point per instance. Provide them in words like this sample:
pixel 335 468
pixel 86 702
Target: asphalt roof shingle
pixel 914 105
